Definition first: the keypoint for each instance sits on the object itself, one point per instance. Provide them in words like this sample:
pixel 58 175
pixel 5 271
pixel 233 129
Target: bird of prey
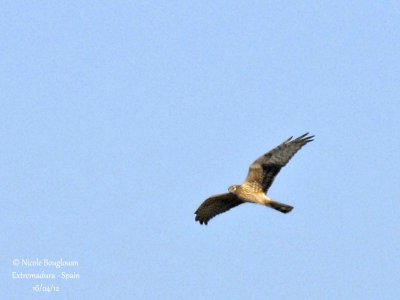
pixel 260 177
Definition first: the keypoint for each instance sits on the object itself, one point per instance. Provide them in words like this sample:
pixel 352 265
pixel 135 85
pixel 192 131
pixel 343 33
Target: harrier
pixel 261 175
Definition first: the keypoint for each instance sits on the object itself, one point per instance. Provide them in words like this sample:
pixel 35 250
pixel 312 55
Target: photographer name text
pixel 44 262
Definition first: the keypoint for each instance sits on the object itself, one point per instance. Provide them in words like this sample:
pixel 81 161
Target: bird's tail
pixel 283 208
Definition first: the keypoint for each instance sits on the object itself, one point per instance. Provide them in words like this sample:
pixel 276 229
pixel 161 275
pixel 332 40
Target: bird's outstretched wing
pixel 216 205
pixel 266 167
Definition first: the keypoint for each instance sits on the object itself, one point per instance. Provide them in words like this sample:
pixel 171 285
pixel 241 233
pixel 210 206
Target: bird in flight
pixel 260 177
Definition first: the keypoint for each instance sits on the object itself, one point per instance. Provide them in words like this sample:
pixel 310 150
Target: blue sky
pixel 120 118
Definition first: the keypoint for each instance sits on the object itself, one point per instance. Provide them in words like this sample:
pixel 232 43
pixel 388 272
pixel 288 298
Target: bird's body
pixel 260 177
pixel 250 192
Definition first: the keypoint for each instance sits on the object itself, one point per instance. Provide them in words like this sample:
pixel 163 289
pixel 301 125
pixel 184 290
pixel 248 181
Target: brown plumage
pixel 261 175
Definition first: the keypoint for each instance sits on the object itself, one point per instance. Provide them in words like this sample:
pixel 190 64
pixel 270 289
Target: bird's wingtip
pixel 306 137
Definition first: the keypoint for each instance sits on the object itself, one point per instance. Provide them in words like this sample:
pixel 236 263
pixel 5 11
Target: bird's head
pixel 233 189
